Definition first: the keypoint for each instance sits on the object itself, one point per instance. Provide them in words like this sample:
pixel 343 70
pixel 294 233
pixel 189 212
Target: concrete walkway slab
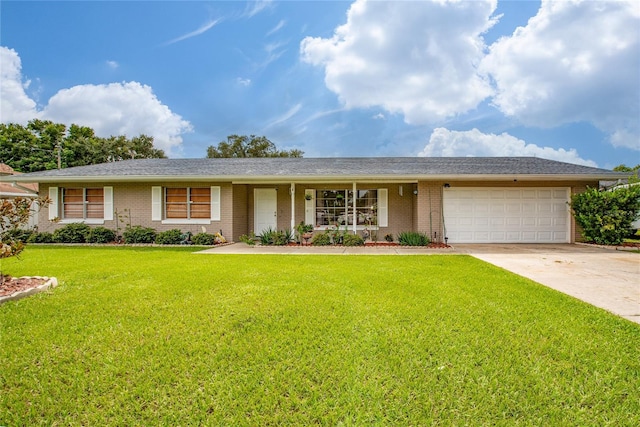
pixel 605 278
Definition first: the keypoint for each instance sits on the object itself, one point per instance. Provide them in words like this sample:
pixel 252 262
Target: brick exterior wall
pixel 132 202
pixel 407 211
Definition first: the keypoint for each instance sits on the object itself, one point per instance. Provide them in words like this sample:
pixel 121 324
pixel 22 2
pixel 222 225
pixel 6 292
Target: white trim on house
pixel 107 204
pixel 156 203
pixel 53 203
pixel 383 207
pixel 310 206
pixel 215 203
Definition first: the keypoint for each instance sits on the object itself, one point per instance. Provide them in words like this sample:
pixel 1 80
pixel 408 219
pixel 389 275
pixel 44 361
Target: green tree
pixel 43 145
pixel 249 146
pixel 633 176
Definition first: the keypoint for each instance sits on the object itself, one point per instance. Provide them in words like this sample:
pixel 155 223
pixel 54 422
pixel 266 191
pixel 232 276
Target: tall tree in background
pixel 633 176
pixel 43 145
pixel 249 146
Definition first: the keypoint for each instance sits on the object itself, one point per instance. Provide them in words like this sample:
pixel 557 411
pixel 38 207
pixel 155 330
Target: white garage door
pixel 507 215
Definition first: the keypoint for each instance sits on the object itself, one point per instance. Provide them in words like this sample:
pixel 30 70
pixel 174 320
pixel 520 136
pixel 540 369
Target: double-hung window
pixel 81 204
pixel 187 203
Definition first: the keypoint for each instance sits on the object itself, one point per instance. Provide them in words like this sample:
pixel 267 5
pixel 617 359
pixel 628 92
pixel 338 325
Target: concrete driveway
pixel 606 278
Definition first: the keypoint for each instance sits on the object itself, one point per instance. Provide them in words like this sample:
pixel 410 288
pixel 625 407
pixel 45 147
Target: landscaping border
pixel 50 282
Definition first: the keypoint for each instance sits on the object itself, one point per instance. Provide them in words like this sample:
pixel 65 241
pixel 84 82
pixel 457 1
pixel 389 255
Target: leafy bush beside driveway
pixel 606 216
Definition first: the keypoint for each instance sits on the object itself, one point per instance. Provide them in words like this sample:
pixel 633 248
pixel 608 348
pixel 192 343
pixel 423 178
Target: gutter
pixel 29 191
pixel 287 179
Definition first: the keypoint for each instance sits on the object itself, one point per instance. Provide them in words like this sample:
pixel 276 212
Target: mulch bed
pixel 434 245
pixel 10 285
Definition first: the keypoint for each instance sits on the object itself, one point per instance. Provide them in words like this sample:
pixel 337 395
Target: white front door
pixel 266 209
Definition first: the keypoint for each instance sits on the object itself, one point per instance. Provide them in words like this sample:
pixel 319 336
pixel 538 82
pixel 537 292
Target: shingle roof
pixel 323 168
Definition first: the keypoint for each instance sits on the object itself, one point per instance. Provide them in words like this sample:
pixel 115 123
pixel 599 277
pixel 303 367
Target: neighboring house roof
pixel 323 169
pixel 7 189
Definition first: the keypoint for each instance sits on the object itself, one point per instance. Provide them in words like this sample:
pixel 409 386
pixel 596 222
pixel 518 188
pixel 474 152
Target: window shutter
pixel 156 203
pixel 215 203
pixel 53 205
pixel 310 206
pixel 383 207
pixel 108 203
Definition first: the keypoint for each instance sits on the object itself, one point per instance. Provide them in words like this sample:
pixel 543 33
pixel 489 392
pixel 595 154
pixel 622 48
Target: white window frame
pixel 382 202
pixel 57 204
pixel 158 207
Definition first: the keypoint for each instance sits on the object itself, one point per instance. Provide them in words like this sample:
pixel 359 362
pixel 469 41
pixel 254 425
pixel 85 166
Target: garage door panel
pixel 545 222
pixel 481 221
pixel 514 222
pixel 526 215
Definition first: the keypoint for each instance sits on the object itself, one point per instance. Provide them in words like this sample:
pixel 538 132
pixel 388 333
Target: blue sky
pixel 558 80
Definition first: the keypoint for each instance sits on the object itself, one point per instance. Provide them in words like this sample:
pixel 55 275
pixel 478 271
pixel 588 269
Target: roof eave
pixel 248 179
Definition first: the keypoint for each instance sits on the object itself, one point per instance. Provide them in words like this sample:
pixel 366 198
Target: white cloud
pixel 243 82
pixel 203 29
pixel 277 28
pixel 256 7
pixel 119 109
pixel 112 64
pixel 113 109
pixel 286 116
pixel 574 61
pixel 473 143
pixel 15 104
pixel 416 58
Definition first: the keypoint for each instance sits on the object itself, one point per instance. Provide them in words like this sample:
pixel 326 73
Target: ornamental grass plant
pixel 163 336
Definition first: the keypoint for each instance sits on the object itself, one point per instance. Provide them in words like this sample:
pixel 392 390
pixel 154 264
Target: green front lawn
pixel 162 336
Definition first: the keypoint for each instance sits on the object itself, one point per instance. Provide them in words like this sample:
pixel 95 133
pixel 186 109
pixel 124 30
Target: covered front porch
pixel 357 207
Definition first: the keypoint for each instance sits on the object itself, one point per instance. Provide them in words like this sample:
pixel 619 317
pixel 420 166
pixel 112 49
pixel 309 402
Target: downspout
pixel 430 213
pixel 444 227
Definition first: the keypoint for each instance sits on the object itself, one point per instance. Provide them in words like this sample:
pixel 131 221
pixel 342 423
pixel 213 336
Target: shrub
pixel 203 239
pixel 41 237
pixel 248 239
pixel 170 237
pixel 139 234
pixel 388 237
pixel 19 234
pixel 321 239
pixel 606 216
pixel 275 237
pixel 72 233
pixel 352 240
pixel 101 235
pixel 413 238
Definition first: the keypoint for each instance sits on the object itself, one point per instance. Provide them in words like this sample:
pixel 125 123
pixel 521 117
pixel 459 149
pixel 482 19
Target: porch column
pixel 292 191
pixel 353 212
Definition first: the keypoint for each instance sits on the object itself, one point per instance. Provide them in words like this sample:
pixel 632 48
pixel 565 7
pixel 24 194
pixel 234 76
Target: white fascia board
pixel 287 179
